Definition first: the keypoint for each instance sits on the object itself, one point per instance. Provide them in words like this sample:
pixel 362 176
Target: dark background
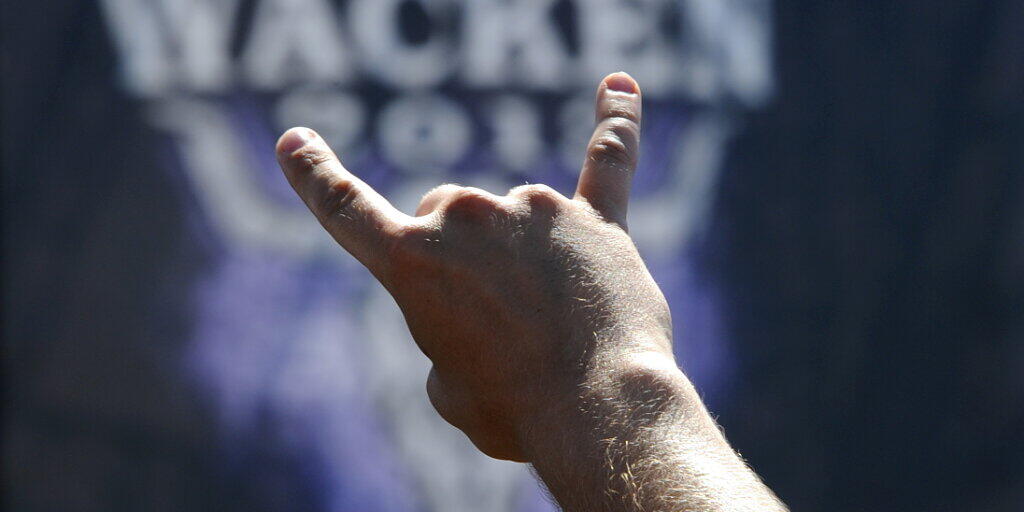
pixel 871 229
pixel 868 233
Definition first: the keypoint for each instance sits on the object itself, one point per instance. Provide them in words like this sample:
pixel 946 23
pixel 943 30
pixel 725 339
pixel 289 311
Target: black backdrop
pixel 871 229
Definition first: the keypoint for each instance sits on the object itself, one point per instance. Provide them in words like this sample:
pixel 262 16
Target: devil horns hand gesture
pixel 550 341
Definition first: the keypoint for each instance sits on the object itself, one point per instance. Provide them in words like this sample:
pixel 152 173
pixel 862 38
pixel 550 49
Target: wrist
pixel 613 393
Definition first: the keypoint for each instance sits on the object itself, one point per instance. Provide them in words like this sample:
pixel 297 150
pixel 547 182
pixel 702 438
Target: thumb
pixel 613 150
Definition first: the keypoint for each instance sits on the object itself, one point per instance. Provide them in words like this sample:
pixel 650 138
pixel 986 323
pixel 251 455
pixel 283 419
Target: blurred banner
pixel 304 360
pixel 411 94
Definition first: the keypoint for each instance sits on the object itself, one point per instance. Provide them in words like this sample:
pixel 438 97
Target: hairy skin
pixel 550 342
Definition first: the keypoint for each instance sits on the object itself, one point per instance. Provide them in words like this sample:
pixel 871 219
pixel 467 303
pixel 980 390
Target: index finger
pixel 358 218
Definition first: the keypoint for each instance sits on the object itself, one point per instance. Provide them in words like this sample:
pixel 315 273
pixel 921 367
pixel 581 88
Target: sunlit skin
pixel 551 344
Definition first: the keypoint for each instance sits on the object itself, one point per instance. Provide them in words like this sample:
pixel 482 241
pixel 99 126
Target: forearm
pixel 639 439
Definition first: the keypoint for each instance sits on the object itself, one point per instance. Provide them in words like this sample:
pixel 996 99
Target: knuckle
pixel 538 196
pixel 338 197
pixel 471 195
pixel 434 197
pixel 311 158
pixel 471 203
pixel 622 109
pixel 535 190
pixel 445 189
pixel 615 143
pixel 439 193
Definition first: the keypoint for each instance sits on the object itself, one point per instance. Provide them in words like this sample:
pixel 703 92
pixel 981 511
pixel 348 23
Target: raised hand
pixel 547 335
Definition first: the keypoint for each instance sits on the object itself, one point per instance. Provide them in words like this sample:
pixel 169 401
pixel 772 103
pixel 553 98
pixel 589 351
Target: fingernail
pixel 621 82
pixel 294 139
